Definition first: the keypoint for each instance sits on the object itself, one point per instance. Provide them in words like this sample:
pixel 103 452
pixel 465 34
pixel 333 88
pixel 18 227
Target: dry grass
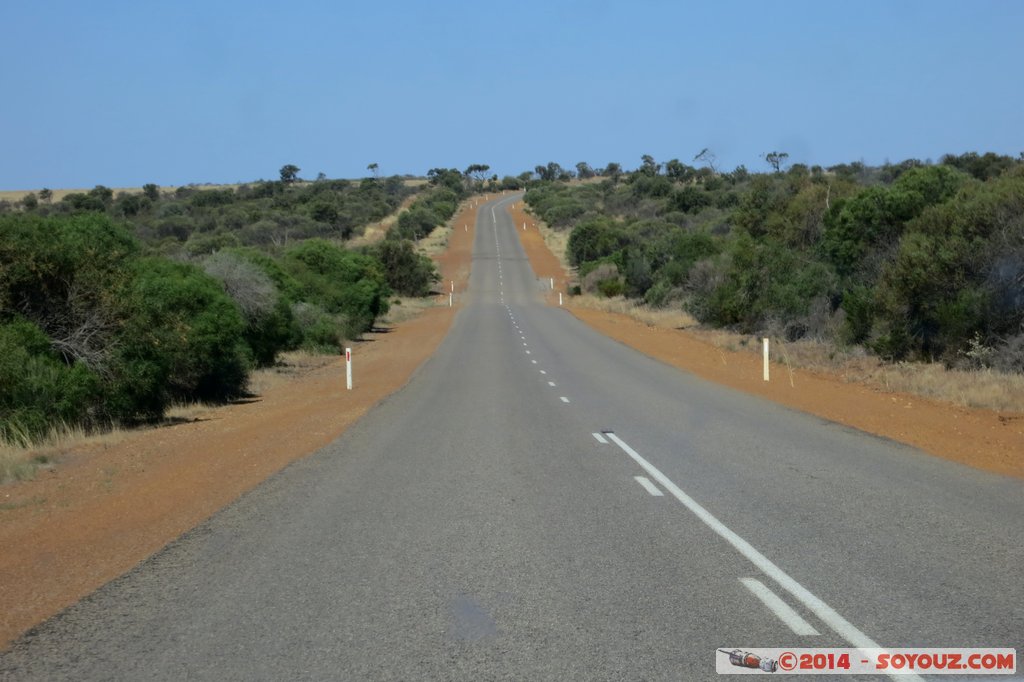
pixel 21 462
pixel 557 243
pixel 984 389
pixel 406 308
pixel 666 318
pixel 435 242
pixel 375 232
pixel 288 366
pixel 58 194
pixel 186 412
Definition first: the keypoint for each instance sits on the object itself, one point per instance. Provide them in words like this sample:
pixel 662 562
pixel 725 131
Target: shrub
pixel 37 388
pixel 341 282
pixel 183 340
pixel 269 326
pixel 407 272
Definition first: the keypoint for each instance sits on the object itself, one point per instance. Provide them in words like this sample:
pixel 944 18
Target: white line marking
pixel 543 372
pixel 826 613
pixel 533 361
pixel 527 352
pixel 648 486
pixel 564 399
pixel 599 438
pixel 780 608
pixel 551 383
pixel 524 343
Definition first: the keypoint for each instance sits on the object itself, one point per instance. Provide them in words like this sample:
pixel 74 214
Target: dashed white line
pixel 543 372
pixel 564 399
pixel 533 361
pixel 823 611
pixel 527 352
pixel 780 608
pixel 648 486
pixel 551 383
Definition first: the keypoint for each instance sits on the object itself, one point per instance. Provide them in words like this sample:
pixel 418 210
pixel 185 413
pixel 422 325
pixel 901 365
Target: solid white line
pixel 599 438
pixel 564 399
pixel 648 486
pixel 780 608
pixel 826 613
pixel 551 383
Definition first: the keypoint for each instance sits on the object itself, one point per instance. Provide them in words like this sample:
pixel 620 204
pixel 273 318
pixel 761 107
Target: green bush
pixel 38 388
pixel 183 339
pixel 611 287
pixel 407 272
pixel 340 282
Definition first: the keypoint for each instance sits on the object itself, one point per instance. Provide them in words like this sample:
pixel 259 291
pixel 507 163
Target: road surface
pixel 541 502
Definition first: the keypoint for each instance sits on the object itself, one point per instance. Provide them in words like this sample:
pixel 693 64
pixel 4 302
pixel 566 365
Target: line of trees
pixel 911 260
pixel 114 307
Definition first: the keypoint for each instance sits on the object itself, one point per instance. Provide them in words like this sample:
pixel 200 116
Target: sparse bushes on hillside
pixel 96 327
pixel 910 260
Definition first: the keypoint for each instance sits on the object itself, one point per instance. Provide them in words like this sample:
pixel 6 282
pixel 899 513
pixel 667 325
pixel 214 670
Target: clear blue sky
pixel 123 93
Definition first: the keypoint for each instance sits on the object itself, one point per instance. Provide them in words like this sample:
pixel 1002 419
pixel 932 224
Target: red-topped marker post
pixel 348 368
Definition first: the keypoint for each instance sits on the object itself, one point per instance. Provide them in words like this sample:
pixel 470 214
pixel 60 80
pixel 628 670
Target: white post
pixel 524 227
pixel 453 286
pixel 552 283
pixel 559 298
pixel 449 300
pixel 348 368
pixel 765 359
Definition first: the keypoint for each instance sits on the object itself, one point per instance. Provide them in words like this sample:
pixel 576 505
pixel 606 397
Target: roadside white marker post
pixel 559 298
pixel 552 280
pixel 348 368
pixel 524 227
pixel 765 359
pixel 453 286
pixel 449 300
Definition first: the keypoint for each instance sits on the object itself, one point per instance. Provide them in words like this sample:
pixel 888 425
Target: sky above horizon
pixel 124 93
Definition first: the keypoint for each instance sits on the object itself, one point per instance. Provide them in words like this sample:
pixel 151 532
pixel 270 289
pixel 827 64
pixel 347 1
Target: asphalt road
pixel 541 502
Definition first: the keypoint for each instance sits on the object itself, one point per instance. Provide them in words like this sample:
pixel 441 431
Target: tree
pixel 775 159
pixel 614 171
pixel 584 171
pixel 46 195
pixel 30 201
pixel 407 272
pixel 679 171
pixel 477 171
pixel 648 165
pixel 151 191
pixel 446 177
pixel 551 172
pixel 289 173
pixel 707 157
pixel 373 169
pixel 104 195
